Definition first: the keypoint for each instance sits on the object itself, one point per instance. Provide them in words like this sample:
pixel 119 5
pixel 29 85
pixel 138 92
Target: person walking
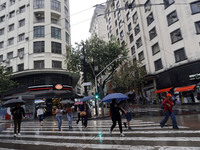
pixel 78 113
pixel 168 104
pixel 40 115
pixel 69 110
pixel 115 116
pixel 84 108
pixel 125 106
pixel 59 112
pixel 18 114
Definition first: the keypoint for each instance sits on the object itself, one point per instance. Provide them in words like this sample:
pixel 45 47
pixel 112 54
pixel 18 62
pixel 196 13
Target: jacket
pixel 166 107
pixel 18 112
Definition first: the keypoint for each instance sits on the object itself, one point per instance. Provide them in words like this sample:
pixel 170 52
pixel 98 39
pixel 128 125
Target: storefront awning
pixel 186 88
pixel 163 90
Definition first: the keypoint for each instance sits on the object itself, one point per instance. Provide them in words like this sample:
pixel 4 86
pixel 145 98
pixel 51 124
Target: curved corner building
pixel 34 35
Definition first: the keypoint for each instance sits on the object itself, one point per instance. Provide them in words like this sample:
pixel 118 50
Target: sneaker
pixel 125 125
pixel 110 132
pixel 122 134
pixel 18 134
pixel 129 128
pixel 15 135
pixel 176 128
pixel 161 125
pixel 76 122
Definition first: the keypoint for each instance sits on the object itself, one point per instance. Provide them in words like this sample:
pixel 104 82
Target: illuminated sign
pixel 58 86
pixel 194 76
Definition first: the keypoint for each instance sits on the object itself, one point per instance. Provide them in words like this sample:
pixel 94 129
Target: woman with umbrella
pixel 17 113
pixel 40 114
pixel 115 116
pixel 69 111
pixel 84 113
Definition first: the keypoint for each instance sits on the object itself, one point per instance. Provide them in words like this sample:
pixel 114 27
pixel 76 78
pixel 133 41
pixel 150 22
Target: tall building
pixel 33 39
pixel 164 35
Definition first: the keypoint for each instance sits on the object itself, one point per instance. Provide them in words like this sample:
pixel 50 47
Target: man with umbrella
pixel 17 113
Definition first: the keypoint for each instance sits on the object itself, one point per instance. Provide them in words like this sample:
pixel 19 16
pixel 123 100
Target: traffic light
pixel 96 96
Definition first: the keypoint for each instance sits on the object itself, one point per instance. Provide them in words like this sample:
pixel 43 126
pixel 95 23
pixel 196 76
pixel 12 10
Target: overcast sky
pixel 81 12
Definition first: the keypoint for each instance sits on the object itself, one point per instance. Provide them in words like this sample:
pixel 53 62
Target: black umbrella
pixel 13 102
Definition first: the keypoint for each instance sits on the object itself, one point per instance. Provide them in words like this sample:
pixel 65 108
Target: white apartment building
pixel 33 39
pixel 98 23
pixel 164 35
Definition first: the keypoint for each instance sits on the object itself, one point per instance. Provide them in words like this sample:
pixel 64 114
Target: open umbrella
pixel 13 102
pixel 78 103
pixel 118 96
pixel 128 93
pixel 67 101
pixel 86 98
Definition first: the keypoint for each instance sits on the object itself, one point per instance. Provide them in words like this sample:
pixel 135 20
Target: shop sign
pixel 194 76
pixel 58 86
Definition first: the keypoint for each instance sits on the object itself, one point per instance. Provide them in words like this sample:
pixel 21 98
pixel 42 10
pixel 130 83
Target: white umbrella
pixel 67 101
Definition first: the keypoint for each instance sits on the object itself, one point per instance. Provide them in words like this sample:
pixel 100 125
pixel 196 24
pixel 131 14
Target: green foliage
pixel 130 75
pixel 5 80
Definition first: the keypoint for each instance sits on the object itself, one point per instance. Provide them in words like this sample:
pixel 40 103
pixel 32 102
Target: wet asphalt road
pixel 146 134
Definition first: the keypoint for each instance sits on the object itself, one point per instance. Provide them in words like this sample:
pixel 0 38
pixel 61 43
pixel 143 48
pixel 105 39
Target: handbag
pixel 83 113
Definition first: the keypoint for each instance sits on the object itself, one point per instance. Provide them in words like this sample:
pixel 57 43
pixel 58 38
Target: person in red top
pixel 168 104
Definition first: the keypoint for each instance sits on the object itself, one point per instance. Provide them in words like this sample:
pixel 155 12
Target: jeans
pixel 59 119
pixel 69 117
pixel 171 114
pixel 17 124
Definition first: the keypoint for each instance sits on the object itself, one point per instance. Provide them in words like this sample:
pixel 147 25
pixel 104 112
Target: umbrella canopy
pixel 41 106
pixel 78 103
pixel 38 101
pixel 13 102
pixel 118 96
pixel 86 98
pixel 67 101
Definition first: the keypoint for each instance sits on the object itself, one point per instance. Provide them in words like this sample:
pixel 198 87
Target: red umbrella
pixel 78 103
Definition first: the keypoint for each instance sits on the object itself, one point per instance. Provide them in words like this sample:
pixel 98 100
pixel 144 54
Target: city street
pixel 145 134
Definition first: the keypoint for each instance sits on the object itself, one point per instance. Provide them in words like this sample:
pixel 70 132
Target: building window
pixel 39 31
pixel 1 44
pixel 150 19
pixel 158 64
pixel 152 33
pixel 55 5
pixel 167 3
pixel 38 47
pixel 180 55
pixel 21 37
pixel 22 9
pixel 20 67
pixel 121 34
pixel 38 4
pixel 56 64
pixel 2 31
pixel 12 2
pixel 67 37
pixel 127 16
pixel 11 27
pixel 21 22
pixel 135 17
pixel 176 36
pixel 133 50
pixel 11 14
pixel 56 47
pixel 195 7
pixel 55 32
pixel 10 55
pixel 129 27
pixel 141 56
pixel 115 23
pixel 21 52
pixel 131 38
pixel 39 64
pixel 9 69
pixel 139 42
pixel 67 25
pixel 120 23
pixel 66 12
pixel 3 6
pixel 147 6
pixel 197 25
pixel 172 17
pixel 54 21
pixel 155 49
pixel 1 58
pixel 11 41
pixel 137 29
pixel 2 18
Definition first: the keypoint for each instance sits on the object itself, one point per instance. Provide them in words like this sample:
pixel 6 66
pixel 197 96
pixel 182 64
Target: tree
pixel 129 75
pixel 5 80
pixel 98 54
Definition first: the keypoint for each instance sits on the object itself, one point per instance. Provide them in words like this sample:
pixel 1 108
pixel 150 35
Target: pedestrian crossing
pixel 143 136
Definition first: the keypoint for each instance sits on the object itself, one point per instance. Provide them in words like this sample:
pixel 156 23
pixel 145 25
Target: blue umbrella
pixel 86 98
pixel 118 96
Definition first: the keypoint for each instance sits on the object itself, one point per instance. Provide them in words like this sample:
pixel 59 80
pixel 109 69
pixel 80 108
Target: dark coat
pixel 18 112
